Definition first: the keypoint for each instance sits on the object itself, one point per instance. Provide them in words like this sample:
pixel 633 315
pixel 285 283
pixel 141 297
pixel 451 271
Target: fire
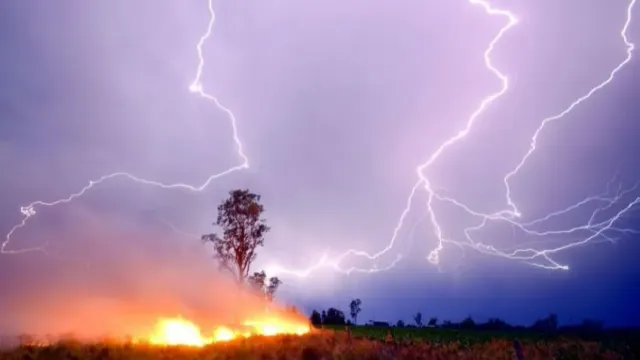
pixel 272 327
pixel 178 331
pixel 223 334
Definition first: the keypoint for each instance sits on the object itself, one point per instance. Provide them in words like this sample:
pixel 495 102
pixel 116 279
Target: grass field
pixel 435 334
pixel 364 343
pixel 472 336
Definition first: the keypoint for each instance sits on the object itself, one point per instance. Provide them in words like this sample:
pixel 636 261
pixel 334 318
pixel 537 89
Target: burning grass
pixel 315 345
pixel 179 331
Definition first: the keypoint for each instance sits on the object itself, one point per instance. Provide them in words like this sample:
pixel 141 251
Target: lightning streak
pixel 593 230
pixel 630 46
pixel 196 87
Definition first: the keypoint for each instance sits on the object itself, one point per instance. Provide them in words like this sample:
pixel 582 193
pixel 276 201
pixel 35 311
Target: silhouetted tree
pixel 494 324
pixel 549 323
pixel 243 230
pixel 324 317
pixel 418 318
pixel 315 318
pixel 467 323
pixel 333 316
pixel 355 309
pixel 400 324
pixel 274 284
pixel 433 322
pixel 257 282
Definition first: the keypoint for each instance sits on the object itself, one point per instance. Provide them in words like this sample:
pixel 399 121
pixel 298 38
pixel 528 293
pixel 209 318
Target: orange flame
pixel 178 331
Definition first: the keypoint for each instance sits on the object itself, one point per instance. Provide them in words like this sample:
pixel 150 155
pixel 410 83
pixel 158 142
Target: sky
pixel 336 103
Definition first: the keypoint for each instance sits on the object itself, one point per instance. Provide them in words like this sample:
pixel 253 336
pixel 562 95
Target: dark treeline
pixel 333 316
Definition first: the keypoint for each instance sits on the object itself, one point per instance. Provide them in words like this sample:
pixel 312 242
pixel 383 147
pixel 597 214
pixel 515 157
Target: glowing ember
pixel 178 331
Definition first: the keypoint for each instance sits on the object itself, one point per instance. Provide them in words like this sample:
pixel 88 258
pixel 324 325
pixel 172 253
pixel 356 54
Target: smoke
pixel 117 278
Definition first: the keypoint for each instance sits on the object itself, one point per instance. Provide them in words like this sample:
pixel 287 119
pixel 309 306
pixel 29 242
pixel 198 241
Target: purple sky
pixel 337 103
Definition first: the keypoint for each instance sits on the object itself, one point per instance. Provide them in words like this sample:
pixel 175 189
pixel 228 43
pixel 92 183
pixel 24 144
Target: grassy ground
pixel 627 341
pixel 327 344
pixel 435 334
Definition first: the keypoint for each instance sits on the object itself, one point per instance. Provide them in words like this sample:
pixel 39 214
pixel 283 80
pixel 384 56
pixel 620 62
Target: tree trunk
pixel 239 305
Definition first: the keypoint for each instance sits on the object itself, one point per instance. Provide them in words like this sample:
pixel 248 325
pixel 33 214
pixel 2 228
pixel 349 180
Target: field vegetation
pixel 328 344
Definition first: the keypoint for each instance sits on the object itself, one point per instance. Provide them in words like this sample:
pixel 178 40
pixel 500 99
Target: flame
pixel 273 327
pixel 223 334
pixel 179 331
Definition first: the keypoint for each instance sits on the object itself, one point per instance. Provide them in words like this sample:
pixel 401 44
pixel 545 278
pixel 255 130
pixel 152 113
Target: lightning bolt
pixel 596 230
pixel 630 46
pixel 195 87
pixel 593 230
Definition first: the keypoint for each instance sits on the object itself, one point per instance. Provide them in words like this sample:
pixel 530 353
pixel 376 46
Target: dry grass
pixel 323 345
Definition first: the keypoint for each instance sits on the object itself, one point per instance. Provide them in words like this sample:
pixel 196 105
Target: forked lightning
pixel 593 230
pixel 196 87
pixel 620 202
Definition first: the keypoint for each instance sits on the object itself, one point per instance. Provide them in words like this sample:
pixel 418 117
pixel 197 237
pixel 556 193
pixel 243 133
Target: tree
pixel 468 323
pixel 257 282
pixel 433 322
pixel 333 316
pixel 315 318
pixel 400 324
pixel 274 284
pixel 418 319
pixel 243 230
pixel 355 309
pixel 494 324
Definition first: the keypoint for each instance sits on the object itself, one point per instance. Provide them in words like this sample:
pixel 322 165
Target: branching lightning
pixel 196 87
pixel 597 228
pixel 593 230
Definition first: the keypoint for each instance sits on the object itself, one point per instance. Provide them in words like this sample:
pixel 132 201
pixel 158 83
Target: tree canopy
pixel 242 231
